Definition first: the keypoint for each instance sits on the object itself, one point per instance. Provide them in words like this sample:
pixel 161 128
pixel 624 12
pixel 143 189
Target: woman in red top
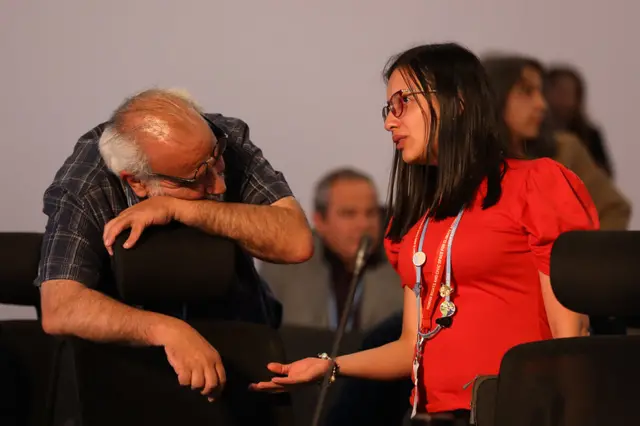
pixel 470 235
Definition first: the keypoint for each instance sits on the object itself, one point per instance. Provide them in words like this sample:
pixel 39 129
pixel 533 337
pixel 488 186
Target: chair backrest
pixel 30 356
pixel 580 381
pixel 589 381
pixel 124 385
pixel 19 256
pixel 483 400
pixel 597 272
pixel 173 263
pixel 133 386
pixel 28 353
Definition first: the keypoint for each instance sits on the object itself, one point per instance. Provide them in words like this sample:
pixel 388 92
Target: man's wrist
pixel 182 210
pixel 189 212
pixel 159 328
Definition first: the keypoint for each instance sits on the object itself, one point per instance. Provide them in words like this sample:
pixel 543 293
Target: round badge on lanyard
pixel 419 258
pixel 447 308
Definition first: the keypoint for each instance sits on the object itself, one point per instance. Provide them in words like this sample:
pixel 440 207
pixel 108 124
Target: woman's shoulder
pixel 541 180
pixel 530 164
pixel 547 184
pixel 521 171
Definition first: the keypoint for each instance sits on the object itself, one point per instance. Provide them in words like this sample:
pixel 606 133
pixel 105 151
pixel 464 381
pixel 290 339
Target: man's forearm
pixel 69 308
pixel 271 233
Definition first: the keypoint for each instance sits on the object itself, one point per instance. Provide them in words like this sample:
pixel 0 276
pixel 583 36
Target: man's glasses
pixel 398 100
pixel 208 165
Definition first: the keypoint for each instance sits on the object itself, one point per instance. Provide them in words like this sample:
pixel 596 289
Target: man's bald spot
pixel 161 116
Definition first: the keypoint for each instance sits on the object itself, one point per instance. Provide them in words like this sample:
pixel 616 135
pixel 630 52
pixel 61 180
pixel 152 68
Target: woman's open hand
pixel 299 372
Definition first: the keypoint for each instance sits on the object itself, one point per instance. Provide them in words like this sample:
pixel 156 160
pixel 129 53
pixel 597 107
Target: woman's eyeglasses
pixel 398 100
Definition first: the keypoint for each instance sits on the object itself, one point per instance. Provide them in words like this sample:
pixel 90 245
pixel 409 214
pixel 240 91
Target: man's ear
pixel 136 185
pixel 318 221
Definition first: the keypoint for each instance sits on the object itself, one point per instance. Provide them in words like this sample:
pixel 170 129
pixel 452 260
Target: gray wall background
pixel 304 75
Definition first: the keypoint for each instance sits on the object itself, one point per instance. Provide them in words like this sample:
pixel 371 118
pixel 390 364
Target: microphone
pixel 361 257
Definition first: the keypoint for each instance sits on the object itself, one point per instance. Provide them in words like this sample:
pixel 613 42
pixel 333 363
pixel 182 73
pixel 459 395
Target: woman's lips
pixel 399 141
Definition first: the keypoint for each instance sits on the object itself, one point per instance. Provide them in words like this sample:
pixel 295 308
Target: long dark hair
pixel 578 124
pixel 504 73
pixel 469 147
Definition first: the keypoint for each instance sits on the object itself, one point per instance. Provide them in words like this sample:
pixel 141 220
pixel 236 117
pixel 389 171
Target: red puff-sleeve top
pixel 496 257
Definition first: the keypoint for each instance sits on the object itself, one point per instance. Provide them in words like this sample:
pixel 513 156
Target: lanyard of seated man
pixel 447 308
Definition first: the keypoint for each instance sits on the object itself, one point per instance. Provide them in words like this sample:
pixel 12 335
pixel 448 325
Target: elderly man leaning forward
pixel 159 159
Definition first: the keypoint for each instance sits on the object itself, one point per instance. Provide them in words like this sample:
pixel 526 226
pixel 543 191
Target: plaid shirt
pixel 85 195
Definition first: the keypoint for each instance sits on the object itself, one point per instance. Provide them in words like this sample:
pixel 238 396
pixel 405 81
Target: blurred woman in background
pixel 518 85
pixel 565 92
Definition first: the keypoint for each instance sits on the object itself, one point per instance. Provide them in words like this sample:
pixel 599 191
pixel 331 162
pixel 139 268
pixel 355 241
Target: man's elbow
pixel 301 248
pixel 53 299
pixel 52 321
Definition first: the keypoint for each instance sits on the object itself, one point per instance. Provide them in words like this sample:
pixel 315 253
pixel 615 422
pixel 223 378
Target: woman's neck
pixel 517 147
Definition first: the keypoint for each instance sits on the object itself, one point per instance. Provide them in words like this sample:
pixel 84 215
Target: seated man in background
pixel 313 294
pixel 160 159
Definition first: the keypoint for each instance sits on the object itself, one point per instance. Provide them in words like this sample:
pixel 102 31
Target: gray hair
pixel 323 187
pixel 117 144
pixel 121 153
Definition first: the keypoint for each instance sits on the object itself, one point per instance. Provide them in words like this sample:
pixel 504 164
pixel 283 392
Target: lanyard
pixel 334 315
pixel 447 308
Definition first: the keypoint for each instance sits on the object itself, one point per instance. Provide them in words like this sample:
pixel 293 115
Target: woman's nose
pixel 391 122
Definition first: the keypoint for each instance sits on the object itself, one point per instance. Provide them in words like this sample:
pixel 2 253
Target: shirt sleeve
pixel 250 177
pixel 72 247
pixel 555 201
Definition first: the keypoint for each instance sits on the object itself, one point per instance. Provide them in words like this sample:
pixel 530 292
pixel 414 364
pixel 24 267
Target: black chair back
pixel 133 386
pixel 27 354
pixel 116 384
pixel 589 381
pixel 597 272
pixel 19 256
pixel 581 381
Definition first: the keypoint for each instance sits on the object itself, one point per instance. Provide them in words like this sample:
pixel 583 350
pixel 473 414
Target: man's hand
pixel 158 210
pixel 70 308
pixel 194 360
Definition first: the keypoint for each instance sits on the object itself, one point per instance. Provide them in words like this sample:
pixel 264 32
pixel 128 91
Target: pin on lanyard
pixel 334 316
pixel 447 308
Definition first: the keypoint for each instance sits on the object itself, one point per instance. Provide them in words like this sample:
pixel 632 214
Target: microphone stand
pixel 361 256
